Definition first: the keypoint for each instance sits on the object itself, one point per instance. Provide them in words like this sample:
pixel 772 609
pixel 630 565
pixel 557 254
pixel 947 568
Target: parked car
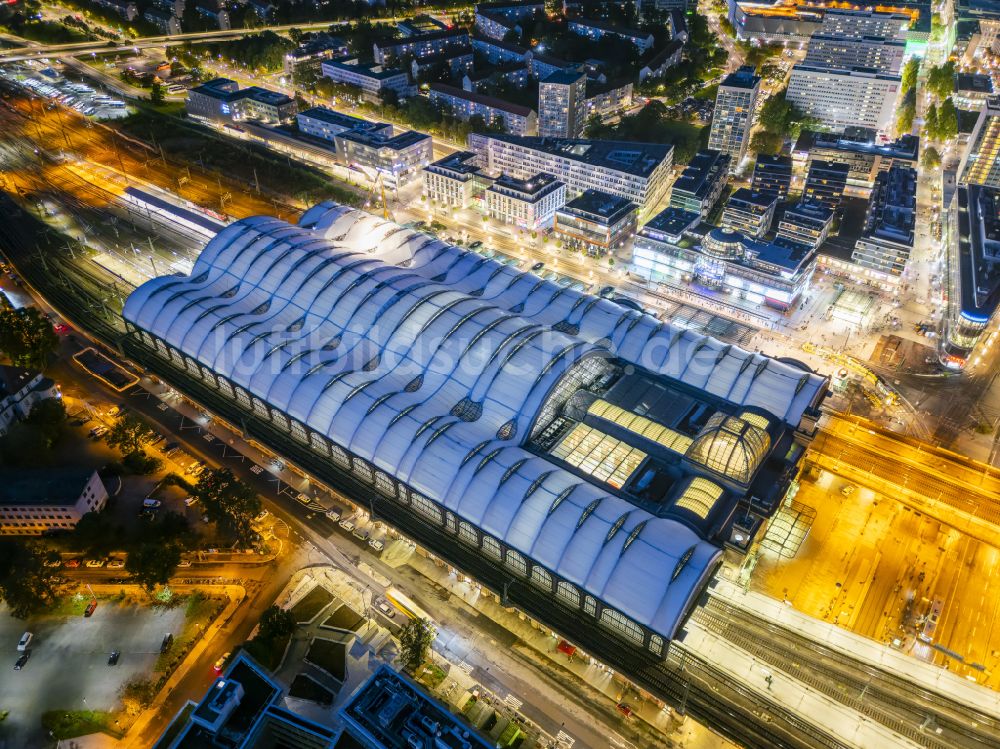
pixel 91 608
pixel 116 564
pixel 113 658
pixel 19 663
pixel 475 245
pixel 848 489
pixel 335 513
pixel 386 609
pixel 376 543
pixel 348 523
pixel 95 563
pixel 361 534
pixel 24 642
pixel 184 563
pixel 303 498
pixel 260 517
pixel 71 564
pixel 54 563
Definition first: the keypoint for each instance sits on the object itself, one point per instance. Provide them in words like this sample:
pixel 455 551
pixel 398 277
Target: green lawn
pixel 69 724
pixel 199 612
pixel 344 618
pixel 311 604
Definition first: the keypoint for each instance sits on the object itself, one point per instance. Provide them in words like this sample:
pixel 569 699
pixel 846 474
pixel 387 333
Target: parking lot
pixel 68 668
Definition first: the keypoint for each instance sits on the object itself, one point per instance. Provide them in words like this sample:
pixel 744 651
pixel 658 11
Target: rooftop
pixel 48 486
pixel 670 223
pixel 745 77
pixel 418 38
pixel 13 379
pixel 672 48
pixel 462 162
pixel 611 28
pixel 501 4
pixel 638 159
pixel 610 208
pixel 857 140
pixel 531 188
pixel 978 250
pixel 405 139
pixel 974 83
pixel 477 98
pixel 499 44
pixel 369 69
pixel 332 117
pixel 564 77
pixel 702 172
pixel 892 213
pixel 746 196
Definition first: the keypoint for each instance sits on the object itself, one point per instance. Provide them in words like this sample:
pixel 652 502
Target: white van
pixel 24 642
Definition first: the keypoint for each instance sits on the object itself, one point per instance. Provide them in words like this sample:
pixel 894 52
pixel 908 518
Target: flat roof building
pixel 635 171
pixel 981 160
pixel 733 115
pixel 841 98
pixel 805 223
pixel 222 100
pixel 562 108
pixel 320 122
pixel 775 275
pixel 749 213
pixel 400 159
pixel 391 51
pixel 887 239
pixel 701 183
pixel 972 242
pixel 20 390
pixel 860 149
pixel 34 502
pixel 846 52
pixel 529 203
pixel 515 119
pixel 371 78
pixel 773 175
pixel 825 183
pixel 456 181
pixel 596 222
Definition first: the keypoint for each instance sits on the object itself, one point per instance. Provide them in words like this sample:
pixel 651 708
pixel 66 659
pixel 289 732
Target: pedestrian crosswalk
pixel 256 470
pixel 564 740
pixel 465 668
pixel 512 702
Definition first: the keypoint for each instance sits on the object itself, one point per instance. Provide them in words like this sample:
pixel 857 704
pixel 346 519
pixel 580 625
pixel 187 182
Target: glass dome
pixel 730 447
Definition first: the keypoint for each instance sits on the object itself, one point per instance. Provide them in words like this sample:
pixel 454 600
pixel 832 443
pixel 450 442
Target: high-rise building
pixel 734 107
pixel 825 183
pixel 772 175
pixel 562 104
pixel 860 23
pixel 884 246
pixel 981 161
pixel 841 98
pixel 846 52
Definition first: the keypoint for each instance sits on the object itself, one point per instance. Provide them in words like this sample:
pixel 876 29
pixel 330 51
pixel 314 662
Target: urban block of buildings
pixel 391 52
pixel 890 225
pixel 371 78
pixel 865 155
pixel 701 183
pixel 596 29
pixel 456 181
pixel 637 172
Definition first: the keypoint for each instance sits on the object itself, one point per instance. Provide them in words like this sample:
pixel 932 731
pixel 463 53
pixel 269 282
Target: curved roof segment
pixel 432 363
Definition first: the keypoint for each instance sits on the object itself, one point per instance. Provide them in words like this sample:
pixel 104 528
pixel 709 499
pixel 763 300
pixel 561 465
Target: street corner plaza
pixel 586 458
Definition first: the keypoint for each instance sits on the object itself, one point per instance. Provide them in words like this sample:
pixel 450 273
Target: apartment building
pixel 371 78
pixel 864 153
pixel 749 213
pixel 701 183
pixel 733 115
pixel 845 98
pixel 498 52
pixel 825 183
pixel 596 30
pixel 20 390
pixel 457 63
pixel 606 99
pixel 515 118
pixel 807 224
pixel 528 203
pixel 885 244
pixel 392 51
pixel 562 108
pixel 596 222
pixel 456 181
pixel 38 501
pixel 772 174
pixel 636 171
pixel 514 73
pixel 312 50
pixel 663 60
pixel 847 52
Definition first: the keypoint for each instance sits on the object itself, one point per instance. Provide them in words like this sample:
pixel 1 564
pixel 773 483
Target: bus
pixel 409 609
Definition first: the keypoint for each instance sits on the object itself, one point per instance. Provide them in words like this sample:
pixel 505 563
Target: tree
pixel 931 122
pixel 782 117
pixel 941 80
pixel 27 337
pixel 96 534
pixel 931 158
pixel 129 433
pixel 152 564
pixel 49 416
pixel 907 113
pixel 947 120
pixel 415 639
pixel 275 623
pixel 137 694
pixel 228 502
pixel 157 94
pixel 909 75
pixel 26 584
pixel 766 143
